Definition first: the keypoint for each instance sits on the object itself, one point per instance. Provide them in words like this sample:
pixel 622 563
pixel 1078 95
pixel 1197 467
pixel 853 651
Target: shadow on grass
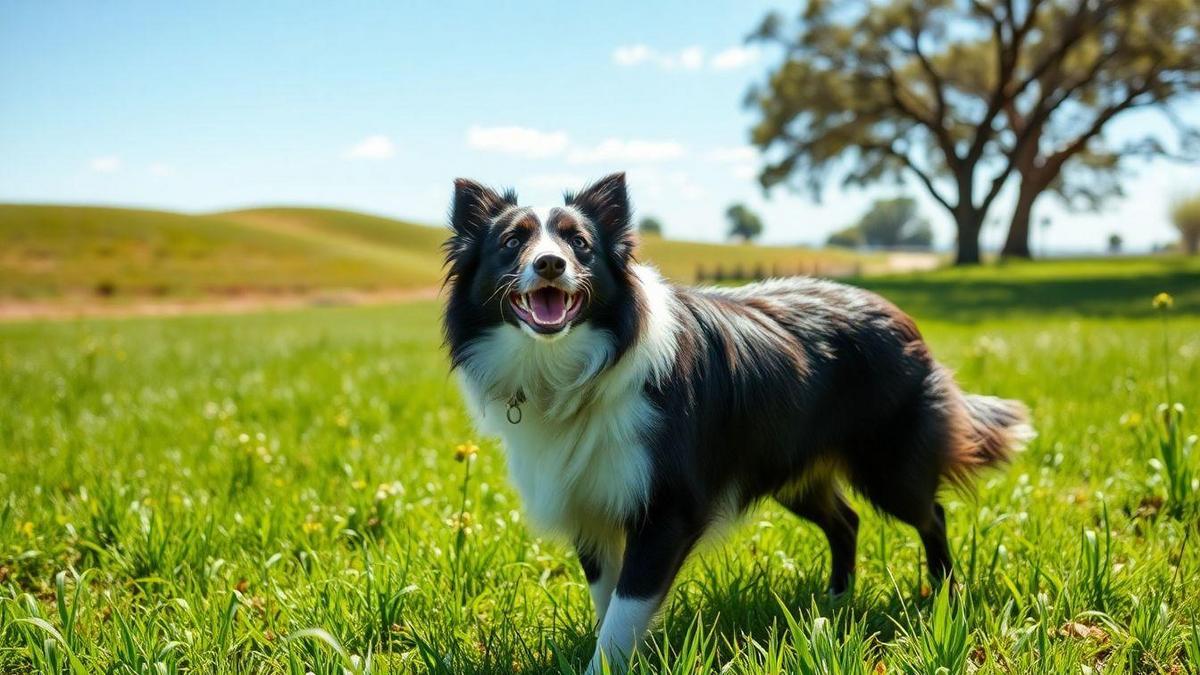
pixel 968 297
pixel 728 605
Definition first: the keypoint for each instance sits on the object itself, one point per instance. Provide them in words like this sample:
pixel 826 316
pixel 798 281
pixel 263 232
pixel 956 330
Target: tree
pixel 1115 243
pixel 1185 213
pixel 892 223
pixel 743 222
pixel 1138 55
pixel 923 89
pixel 650 225
pixel 850 237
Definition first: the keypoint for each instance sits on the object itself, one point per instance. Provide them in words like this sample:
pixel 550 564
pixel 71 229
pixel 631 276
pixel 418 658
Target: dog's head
pixel 542 270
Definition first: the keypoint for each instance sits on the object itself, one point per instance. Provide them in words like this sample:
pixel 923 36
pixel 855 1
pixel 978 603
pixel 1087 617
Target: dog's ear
pixel 475 205
pixel 606 203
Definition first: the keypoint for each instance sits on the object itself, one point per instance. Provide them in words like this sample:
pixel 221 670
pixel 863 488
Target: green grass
pixel 279 493
pixel 83 253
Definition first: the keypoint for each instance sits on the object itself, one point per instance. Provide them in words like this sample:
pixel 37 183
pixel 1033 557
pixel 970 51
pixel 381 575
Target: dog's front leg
pixel 601 566
pixel 654 550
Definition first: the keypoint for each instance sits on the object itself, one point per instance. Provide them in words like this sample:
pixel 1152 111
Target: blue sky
pixel 378 106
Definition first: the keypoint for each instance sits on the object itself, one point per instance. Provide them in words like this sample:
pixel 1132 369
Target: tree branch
pixel 939 131
pixel 1003 92
pixel 935 80
pixel 1054 162
pixel 921 174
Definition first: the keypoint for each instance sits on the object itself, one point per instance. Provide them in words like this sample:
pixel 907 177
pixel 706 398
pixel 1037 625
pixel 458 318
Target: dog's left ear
pixel 606 203
pixel 474 207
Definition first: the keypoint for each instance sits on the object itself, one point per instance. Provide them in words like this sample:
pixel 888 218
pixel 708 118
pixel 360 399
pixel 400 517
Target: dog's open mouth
pixel 546 310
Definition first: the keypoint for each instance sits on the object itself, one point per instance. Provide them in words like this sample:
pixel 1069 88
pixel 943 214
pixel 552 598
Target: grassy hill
pixel 52 251
pixel 80 251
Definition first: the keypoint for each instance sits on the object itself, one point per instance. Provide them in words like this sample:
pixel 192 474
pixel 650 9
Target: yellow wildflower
pixel 465 451
pixel 1164 301
pixel 27 529
pixel 311 527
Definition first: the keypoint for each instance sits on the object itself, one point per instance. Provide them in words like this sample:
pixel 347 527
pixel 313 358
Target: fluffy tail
pixel 993 430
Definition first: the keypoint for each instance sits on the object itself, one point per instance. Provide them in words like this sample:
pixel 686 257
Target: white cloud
pixel 161 170
pixel 620 150
pixel 691 58
pixel 734 57
pixel 688 58
pixel 372 147
pixel 668 185
pixel 107 164
pixel 519 141
pixel 632 55
pixel 742 160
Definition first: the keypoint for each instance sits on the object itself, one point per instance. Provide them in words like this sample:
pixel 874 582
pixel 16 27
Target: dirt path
pixel 85 307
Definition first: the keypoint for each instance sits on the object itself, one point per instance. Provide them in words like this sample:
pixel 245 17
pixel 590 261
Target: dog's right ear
pixel 475 205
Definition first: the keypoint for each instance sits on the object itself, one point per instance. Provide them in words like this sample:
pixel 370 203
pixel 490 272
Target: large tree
pixel 1139 55
pixel 925 89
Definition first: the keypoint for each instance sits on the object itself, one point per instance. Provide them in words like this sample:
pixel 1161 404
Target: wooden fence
pixel 813 268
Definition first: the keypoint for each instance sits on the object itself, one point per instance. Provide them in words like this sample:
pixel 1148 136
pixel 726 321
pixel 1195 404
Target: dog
pixel 636 414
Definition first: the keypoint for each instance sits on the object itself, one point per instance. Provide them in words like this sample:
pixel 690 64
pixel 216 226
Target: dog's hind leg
pixel 937 549
pixel 827 508
pixel 912 499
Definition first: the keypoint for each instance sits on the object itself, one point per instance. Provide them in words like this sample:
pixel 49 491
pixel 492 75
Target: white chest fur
pixel 578 455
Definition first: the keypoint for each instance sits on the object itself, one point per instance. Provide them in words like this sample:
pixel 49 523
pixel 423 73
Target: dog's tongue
pixel 549 305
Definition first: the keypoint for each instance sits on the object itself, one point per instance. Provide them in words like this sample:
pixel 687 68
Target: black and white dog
pixel 635 414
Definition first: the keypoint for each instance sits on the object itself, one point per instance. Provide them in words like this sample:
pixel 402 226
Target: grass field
pixel 280 493
pixel 49 253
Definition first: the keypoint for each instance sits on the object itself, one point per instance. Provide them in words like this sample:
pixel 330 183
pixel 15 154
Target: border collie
pixel 635 414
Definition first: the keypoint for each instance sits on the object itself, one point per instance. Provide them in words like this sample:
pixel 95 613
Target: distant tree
pixel 850 237
pixel 743 222
pixel 1185 213
pixel 893 223
pixel 650 225
pixel 957 93
pixel 1115 243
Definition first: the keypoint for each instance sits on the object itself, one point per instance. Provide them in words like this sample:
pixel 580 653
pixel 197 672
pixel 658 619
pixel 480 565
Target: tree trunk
pixel 969 223
pixel 1191 242
pixel 1016 245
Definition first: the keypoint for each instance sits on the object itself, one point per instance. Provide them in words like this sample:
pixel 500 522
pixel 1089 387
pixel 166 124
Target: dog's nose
pixel 549 266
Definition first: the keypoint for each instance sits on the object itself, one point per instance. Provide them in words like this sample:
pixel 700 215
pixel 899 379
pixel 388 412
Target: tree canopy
pixel 889 223
pixel 894 223
pixel 650 225
pixel 960 94
pixel 743 222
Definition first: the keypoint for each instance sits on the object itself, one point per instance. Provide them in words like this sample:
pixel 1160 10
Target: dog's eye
pixel 579 242
pixel 512 242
